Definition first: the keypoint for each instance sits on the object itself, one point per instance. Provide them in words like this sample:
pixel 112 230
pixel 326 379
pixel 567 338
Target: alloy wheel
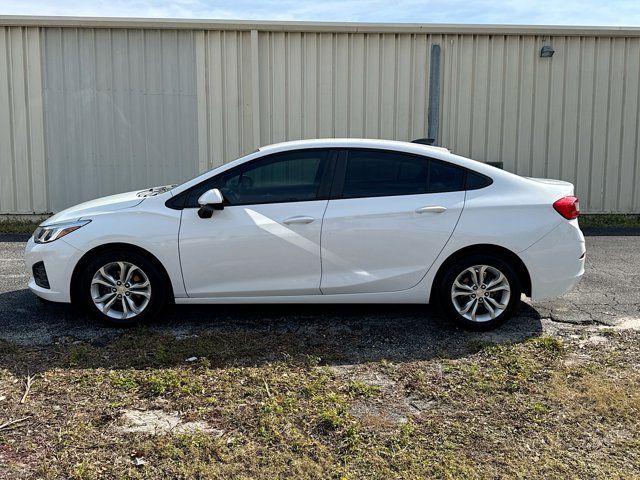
pixel 120 290
pixel 480 293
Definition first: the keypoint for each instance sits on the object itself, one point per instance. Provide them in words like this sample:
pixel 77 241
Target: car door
pixel 266 239
pixel 389 217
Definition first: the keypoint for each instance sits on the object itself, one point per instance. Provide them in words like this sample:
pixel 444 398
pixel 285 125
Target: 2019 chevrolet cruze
pixel 319 221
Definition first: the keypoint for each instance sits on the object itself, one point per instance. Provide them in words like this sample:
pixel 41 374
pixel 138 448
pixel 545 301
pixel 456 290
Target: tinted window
pixel 445 177
pixel 376 173
pixel 477 180
pixel 287 177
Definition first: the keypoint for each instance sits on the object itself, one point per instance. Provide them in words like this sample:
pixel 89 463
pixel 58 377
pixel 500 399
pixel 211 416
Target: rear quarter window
pixel 445 177
pixel 476 180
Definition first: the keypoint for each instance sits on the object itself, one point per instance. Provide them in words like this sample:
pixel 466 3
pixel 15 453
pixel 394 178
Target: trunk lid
pixel 555 187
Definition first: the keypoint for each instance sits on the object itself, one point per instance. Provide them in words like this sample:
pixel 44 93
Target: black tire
pixel 448 307
pixel 159 292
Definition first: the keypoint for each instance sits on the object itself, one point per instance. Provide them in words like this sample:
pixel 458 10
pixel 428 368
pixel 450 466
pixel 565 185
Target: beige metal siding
pixel 342 85
pixel 120 111
pixel 267 87
pixel 132 103
pixel 573 116
pixel 224 63
pixel 22 162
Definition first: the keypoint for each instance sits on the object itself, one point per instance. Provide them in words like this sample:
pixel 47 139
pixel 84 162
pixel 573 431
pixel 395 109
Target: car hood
pixel 99 205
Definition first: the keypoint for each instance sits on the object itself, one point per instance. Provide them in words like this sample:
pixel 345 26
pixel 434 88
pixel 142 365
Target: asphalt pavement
pixel 608 295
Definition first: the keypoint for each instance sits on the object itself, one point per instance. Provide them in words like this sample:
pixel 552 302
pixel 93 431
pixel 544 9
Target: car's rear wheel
pixel 122 288
pixel 480 292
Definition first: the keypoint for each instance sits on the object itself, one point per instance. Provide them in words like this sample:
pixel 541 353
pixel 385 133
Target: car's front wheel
pixel 122 288
pixel 480 292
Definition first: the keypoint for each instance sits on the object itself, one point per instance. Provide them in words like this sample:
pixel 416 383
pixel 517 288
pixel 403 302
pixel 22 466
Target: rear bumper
pixel 59 260
pixel 556 261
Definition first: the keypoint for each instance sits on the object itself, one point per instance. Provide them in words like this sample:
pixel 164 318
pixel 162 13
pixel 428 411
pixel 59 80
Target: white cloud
pixel 568 12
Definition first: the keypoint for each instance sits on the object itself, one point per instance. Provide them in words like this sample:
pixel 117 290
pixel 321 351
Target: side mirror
pixel 209 201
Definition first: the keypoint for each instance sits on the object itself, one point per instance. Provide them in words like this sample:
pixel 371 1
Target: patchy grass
pixel 19 226
pixel 546 342
pixel 609 220
pixel 156 383
pixel 362 389
pixel 502 410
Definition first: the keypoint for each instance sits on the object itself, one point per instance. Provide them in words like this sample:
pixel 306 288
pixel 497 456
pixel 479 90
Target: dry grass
pixel 610 220
pixel 501 411
pixel 19 226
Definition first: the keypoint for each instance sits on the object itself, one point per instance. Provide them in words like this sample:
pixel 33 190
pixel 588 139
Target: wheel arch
pixel 485 249
pixel 86 258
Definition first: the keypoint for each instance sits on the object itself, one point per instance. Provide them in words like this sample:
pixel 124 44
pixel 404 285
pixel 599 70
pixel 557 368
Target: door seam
pixel 180 257
pixel 326 207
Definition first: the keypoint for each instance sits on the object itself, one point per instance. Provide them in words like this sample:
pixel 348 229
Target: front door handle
pixel 431 209
pixel 300 219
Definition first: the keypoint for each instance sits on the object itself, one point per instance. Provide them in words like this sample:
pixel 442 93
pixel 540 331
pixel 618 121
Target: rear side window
pixel 378 173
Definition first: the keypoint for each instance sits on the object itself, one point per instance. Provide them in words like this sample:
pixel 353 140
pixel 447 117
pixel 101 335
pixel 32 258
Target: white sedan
pixel 319 221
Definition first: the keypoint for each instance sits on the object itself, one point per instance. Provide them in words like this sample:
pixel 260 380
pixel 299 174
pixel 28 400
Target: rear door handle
pixel 431 209
pixel 300 219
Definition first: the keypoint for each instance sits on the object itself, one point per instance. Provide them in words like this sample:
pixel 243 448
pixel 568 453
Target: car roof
pixel 352 143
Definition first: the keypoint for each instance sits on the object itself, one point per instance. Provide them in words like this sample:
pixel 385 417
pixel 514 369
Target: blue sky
pixel 558 12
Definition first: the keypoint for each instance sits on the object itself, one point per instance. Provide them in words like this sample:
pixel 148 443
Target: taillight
pixel 568 207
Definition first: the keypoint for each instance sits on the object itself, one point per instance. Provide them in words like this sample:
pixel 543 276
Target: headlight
pixel 57 230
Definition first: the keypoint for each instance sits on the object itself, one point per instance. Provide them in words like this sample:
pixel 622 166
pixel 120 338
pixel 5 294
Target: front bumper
pixel 556 261
pixel 59 260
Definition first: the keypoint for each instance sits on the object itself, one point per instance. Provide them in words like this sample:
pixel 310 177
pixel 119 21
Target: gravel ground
pixel 608 295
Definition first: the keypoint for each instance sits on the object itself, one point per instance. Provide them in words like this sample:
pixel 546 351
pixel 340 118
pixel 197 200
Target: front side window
pixel 286 177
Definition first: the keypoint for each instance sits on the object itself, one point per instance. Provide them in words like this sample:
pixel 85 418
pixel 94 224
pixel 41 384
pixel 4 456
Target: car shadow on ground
pixel 37 337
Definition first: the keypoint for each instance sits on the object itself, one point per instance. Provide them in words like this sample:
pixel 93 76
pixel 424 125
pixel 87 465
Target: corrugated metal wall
pixel 574 116
pixel 120 111
pixel 342 85
pixel 22 157
pixel 128 107
pixel 267 87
